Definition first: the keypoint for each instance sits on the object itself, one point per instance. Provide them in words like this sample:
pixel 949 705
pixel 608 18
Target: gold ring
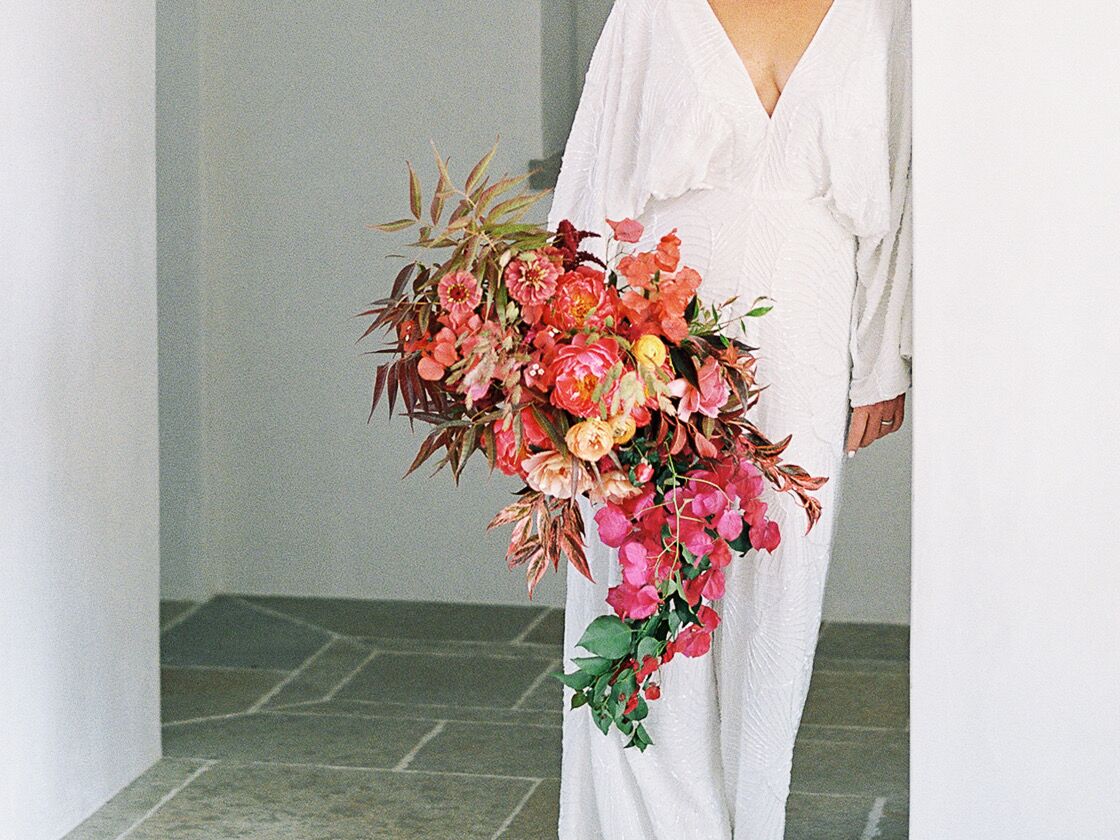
pixel 886 422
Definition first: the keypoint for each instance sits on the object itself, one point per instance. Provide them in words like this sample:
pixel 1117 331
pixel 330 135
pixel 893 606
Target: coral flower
pixel 581 300
pixel 459 294
pixel 509 457
pixel 578 369
pixel 531 278
pixel 626 230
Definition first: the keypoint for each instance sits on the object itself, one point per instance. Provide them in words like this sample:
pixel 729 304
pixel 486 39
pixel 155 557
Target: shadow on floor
pixel 321 719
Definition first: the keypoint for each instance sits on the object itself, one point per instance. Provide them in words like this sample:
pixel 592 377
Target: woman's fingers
pixel 856 429
pixel 874 426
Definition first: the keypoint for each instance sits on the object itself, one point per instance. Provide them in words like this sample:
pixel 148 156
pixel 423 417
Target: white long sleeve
pixel 881 320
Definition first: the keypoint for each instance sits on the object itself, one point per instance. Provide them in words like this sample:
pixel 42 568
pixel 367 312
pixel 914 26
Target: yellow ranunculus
pixel 623 428
pixel 650 350
pixel 590 439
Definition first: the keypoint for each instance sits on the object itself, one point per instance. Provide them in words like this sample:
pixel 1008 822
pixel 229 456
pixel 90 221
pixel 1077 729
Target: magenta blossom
pixel 634 602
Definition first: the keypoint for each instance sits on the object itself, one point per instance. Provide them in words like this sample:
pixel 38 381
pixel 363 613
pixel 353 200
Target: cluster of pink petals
pixel 459 294
pixel 702 516
pixel 531 278
pixel 577 370
pixel 709 398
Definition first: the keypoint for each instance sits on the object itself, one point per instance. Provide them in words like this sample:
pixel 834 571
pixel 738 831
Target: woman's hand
pixel 871 422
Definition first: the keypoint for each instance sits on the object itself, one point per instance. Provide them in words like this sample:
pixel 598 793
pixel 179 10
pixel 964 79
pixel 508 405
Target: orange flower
pixel 668 254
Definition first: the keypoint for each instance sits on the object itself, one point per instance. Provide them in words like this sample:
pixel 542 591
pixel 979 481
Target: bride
pixel 775 136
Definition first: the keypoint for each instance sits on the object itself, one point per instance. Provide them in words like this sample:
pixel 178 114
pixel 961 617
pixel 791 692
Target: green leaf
pixel 577 680
pixel 647 647
pixel 593 664
pixel 393 227
pixel 742 543
pixel 579 699
pixel 414 197
pixel 607 636
pixel 480 169
pixel 758 311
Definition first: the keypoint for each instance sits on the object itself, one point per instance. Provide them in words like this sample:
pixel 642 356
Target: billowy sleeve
pixel 600 173
pixel 881 346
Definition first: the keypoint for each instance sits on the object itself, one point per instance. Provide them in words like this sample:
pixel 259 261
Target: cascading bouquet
pixel 602 378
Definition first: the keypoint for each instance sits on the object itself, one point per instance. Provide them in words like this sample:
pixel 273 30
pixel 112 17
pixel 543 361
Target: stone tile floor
pixel 317 719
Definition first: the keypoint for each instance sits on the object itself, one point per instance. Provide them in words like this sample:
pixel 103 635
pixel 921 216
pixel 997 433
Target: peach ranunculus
pixel 578 368
pixel 551 474
pixel 709 398
pixel 591 439
pixel 614 487
pixel 623 427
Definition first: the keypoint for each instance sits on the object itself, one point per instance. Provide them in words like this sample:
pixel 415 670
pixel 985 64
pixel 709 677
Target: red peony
pixel 582 300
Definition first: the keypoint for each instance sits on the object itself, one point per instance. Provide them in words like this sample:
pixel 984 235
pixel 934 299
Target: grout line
pixel 299 704
pixel 823 794
pixel 519 724
pixel 517 810
pixel 535 684
pixel 204 719
pixel 167 797
pixel 524 634
pixel 277 614
pixel 852 727
pixel 234 668
pixel 395 704
pixel 330 694
pixel 412 753
pixel 354 769
pixel 871 830
pixel 518 656
pixel 284 683
pixel 181 617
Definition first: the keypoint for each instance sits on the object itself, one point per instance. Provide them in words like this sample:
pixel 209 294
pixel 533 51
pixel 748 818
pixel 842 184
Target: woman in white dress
pixel 805 200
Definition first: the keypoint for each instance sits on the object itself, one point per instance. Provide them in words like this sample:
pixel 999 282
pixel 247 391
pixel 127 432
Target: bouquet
pixel 604 378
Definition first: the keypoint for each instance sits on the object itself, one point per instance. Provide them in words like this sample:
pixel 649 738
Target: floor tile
pixel 132 803
pixel 171 610
pixel 323 674
pixel 888 642
pixel 411 620
pixel 853 698
pixel 547 696
pixel 827 817
pixel 550 631
pixel 502 650
pixel 225 632
pixel 873 768
pixel 420 678
pixel 539 817
pixel 274 803
pixel 188 693
pixel 432 712
pixel 298 739
pixel 502 750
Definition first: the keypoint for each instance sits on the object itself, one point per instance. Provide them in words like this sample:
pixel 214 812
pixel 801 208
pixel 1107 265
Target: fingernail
pixel 852 454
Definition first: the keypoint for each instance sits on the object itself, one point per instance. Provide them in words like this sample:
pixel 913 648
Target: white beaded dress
pixel 810 207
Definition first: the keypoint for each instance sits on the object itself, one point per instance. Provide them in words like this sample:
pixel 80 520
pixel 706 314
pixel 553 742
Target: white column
pixel 1016 580
pixel 79 565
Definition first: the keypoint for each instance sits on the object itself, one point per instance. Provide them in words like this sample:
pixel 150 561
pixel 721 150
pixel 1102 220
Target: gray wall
pixel 79 518
pixel 307 113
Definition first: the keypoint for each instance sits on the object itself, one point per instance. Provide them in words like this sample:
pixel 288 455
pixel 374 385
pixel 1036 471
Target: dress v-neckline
pixel 737 59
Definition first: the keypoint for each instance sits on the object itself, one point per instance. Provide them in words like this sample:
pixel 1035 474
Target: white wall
pixel 79 704
pixel 307 113
pixel 1016 596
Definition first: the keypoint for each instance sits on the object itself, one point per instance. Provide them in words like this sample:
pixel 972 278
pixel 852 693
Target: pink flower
pixel 578 368
pixel 696 639
pixel 439 356
pixel 614 525
pixel 508 457
pixel 626 230
pixel 711 396
pixel 459 294
pixel 531 278
pixel 633 602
